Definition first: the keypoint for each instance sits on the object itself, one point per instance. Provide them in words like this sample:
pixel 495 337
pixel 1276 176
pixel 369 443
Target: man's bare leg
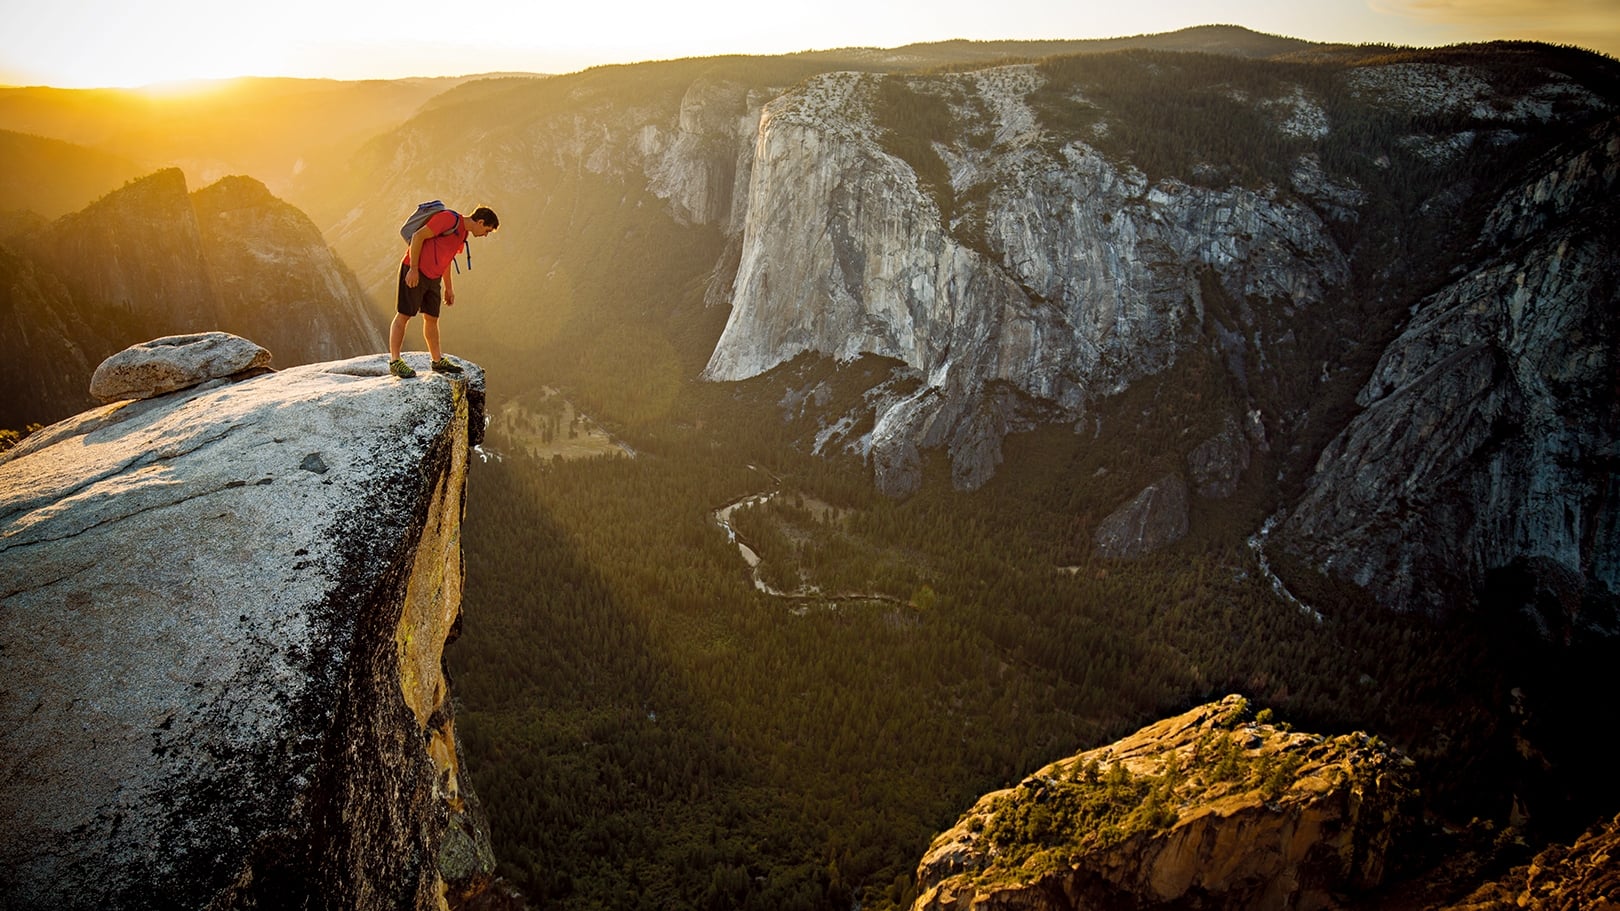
pixel 430 334
pixel 396 336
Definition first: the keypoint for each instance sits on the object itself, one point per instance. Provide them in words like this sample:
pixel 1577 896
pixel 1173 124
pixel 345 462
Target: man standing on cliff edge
pixel 433 248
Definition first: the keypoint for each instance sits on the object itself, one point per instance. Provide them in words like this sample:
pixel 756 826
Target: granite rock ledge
pixel 225 610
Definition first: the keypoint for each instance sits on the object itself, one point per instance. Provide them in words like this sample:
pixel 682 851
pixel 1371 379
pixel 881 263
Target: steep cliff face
pixel 274 279
pixel 150 260
pixel 225 611
pixel 1486 448
pixel 1062 275
pixel 701 167
pixel 1021 274
pixel 135 255
pixel 1035 273
pixel 1203 810
pixel 45 364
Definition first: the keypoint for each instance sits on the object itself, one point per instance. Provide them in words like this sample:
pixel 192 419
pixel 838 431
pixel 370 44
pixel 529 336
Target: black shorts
pixel 424 298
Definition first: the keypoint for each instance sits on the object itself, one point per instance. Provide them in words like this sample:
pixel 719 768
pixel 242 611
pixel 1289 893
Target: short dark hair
pixel 486 215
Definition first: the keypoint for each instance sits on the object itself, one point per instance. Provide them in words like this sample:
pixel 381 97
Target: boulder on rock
pixel 175 362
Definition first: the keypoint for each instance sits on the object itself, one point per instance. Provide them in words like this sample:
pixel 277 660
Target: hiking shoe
pixel 399 368
pixel 443 365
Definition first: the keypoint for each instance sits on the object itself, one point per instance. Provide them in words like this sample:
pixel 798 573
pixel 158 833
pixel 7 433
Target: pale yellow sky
pixel 81 43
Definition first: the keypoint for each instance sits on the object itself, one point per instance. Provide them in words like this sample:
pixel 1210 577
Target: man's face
pixel 477 228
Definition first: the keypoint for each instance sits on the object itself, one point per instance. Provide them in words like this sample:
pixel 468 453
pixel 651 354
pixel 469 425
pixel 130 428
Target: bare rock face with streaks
pixel 1073 276
pixel 1485 453
pixel 1153 519
pixel 225 612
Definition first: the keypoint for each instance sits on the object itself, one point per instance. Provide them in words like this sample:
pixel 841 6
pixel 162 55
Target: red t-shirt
pixel 440 249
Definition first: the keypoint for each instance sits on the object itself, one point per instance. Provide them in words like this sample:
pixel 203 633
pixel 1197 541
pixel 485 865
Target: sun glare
pixel 187 89
pixel 159 74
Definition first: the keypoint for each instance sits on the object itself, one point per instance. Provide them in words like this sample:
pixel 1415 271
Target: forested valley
pixel 648 726
pixel 649 729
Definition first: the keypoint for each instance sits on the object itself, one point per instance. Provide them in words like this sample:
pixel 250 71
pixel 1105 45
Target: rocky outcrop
pixel 1153 519
pixel 1206 809
pixel 1584 875
pixel 225 611
pixel 175 362
pixel 150 260
pixel 1488 440
pixel 1217 464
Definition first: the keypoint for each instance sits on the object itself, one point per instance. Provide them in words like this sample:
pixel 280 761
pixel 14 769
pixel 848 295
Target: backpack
pixel 420 217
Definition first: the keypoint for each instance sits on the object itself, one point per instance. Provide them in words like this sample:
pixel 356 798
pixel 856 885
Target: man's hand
pixel 449 298
pixel 412 277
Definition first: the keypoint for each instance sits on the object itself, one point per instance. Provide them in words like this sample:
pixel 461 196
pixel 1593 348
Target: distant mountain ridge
pixel 1232 40
pixel 51 177
pixel 270 128
pixel 152 259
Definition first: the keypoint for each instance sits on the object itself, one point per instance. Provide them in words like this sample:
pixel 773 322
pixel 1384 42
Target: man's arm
pixel 414 276
pixel 449 291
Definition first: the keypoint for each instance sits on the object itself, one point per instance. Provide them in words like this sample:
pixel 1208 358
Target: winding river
pixel 722 517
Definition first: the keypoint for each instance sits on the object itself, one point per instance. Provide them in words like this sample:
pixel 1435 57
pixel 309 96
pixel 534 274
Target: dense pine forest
pixel 650 729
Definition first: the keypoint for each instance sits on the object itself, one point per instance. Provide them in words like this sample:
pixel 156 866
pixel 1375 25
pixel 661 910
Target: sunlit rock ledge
pixel 1207 809
pixel 224 613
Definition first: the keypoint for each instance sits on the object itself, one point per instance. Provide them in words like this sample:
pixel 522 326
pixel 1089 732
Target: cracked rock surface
pixel 224 612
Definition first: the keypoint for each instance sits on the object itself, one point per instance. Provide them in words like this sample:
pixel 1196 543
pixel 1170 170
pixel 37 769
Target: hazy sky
pixel 120 42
